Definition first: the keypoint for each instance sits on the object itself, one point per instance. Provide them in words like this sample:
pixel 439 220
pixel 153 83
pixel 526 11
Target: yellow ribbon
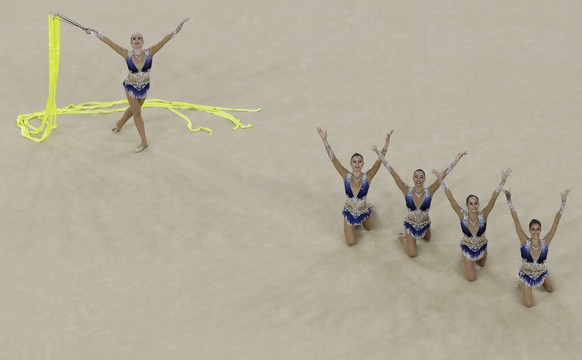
pixel 48 117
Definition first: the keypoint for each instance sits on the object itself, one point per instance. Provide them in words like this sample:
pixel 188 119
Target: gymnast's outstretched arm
pixel 401 185
pixel 454 204
pixel 154 49
pixel 118 49
pixel 372 172
pixel 338 166
pixel 520 233
pixel 557 218
pixel 489 207
pixel 435 186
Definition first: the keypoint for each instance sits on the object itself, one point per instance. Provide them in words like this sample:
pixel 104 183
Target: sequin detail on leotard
pixel 356 210
pixel 473 246
pixel 417 222
pixel 533 273
pixel 137 83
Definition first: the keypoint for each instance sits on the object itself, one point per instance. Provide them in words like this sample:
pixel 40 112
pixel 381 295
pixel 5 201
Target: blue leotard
pixel 533 273
pixel 137 83
pixel 473 246
pixel 356 210
pixel 417 222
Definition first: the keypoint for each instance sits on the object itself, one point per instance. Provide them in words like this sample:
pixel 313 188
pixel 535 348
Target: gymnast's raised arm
pixel 401 185
pixel 489 207
pixel 118 49
pixel 454 204
pixel 520 233
pixel 435 186
pixel 154 49
pixel 374 169
pixel 338 166
pixel 557 218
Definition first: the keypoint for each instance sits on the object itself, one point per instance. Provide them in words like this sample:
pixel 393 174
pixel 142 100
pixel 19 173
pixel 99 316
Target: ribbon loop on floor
pixel 46 120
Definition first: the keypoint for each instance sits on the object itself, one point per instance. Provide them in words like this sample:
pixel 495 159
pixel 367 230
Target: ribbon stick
pixel 67 20
pixel 48 117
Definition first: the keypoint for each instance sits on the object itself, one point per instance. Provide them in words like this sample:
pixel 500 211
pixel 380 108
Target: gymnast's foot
pixel 116 129
pixel 140 148
pixel 402 237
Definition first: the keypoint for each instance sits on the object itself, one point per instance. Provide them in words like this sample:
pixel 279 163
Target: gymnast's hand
pixel 459 156
pixel 181 23
pixel 505 174
pixel 437 173
pixel 322 133
pixel 565 195
pixel 507 194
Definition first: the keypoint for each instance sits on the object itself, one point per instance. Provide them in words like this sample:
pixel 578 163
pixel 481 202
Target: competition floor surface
pixel 231 246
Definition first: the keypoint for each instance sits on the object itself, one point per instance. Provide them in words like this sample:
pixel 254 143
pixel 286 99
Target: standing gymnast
pixel 356 210
pixel 137 84
pixel 473 226
pixel 534 251
pixel 418 199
